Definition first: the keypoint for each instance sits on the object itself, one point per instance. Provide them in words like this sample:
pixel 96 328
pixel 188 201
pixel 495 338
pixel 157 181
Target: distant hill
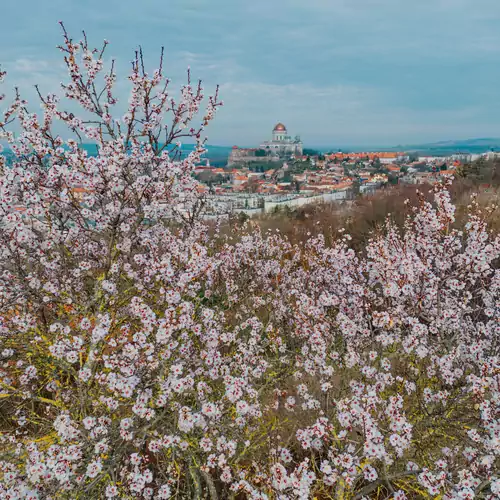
pixel 441 148
pixel 214 153
pixel 217 155
pixel 470 146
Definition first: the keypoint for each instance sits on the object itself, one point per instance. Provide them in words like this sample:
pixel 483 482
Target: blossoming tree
pixel 142 358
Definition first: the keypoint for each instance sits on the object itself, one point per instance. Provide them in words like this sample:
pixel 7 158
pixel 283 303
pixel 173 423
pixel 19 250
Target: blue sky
pixel 338 72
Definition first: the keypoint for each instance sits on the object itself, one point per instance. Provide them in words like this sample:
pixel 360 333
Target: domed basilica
pixel 282 144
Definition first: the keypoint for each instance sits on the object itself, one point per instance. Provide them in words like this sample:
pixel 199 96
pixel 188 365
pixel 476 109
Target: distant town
pixel 281 172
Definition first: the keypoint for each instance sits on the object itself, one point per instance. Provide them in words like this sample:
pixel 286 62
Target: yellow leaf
pixel 51 402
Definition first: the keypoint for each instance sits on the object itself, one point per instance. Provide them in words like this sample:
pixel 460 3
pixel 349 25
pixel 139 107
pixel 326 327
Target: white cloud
pixel 336 115
pixel 333 70
pixel 28 65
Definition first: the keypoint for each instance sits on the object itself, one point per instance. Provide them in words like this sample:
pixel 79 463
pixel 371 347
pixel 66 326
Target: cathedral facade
pixel 282 144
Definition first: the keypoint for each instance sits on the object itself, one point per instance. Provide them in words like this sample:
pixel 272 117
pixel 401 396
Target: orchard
pixel 144 356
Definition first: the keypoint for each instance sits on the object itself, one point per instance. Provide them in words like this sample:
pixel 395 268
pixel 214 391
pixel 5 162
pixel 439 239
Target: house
pixel 393 168
pixel 238 180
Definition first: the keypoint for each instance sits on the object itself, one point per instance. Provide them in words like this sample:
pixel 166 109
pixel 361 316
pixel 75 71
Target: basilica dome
pixel 279 128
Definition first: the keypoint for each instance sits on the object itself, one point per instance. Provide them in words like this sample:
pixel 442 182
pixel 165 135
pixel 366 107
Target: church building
pixel 282 144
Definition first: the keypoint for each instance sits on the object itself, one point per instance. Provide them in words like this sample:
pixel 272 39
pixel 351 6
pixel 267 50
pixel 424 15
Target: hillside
pixel 470 146
pixel 440 148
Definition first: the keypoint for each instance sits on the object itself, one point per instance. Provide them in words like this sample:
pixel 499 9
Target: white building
pixel 491 155
pixel 430 159
pixel 282 144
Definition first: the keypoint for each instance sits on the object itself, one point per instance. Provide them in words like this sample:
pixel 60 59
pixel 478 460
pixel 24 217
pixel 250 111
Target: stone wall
pixel 241 156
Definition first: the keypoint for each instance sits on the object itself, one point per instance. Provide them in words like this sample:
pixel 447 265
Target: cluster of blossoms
pixel 142 356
